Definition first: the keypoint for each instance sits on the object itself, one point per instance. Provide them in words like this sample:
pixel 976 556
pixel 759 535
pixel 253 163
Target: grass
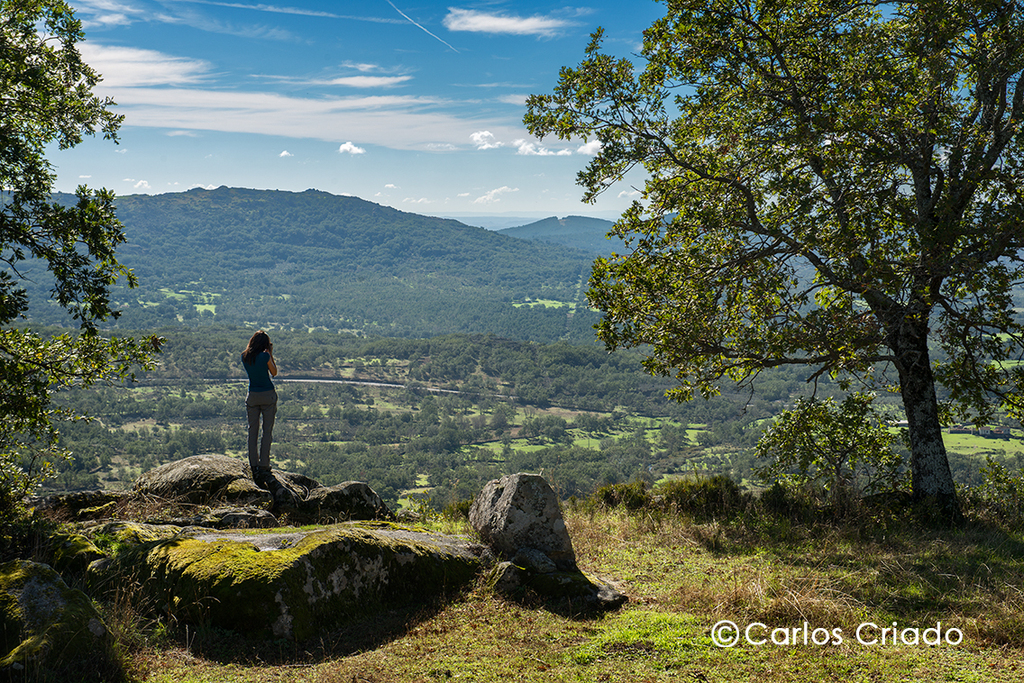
pixel 973 444
pixel 682 577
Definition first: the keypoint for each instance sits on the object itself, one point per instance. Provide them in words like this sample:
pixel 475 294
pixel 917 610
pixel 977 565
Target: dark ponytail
pixel 258 343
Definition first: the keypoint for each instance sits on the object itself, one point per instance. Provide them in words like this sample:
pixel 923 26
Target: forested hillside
pixel 316 260
pixel 578 232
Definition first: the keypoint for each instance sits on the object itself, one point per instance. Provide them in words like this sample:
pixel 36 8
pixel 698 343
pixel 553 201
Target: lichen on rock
pixel 300 584
pixel 46 626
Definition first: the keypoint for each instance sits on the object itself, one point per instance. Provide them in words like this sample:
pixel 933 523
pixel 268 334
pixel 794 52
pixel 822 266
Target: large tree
pixel 45 98
pixel 829 183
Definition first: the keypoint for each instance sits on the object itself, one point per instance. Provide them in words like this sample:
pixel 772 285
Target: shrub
pixel 796 503
pixel 703 497
pixel 458 510
pixel 1000 495
pixel 842 448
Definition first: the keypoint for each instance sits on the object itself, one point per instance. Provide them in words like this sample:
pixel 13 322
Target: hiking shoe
pixel 262 477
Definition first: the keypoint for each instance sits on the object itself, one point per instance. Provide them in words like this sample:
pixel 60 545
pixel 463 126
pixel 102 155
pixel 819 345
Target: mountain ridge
pixel 274 258
pixel 584 233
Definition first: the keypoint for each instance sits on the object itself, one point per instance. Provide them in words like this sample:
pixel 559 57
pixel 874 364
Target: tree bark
pixel 931 478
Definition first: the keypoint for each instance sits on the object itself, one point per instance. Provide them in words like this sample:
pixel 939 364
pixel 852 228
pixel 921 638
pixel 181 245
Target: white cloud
pixel 590 149
pixel 369 81
pixel 527 148
pixel 349 148
pixel 285 153
pixel 421 200
pixel 361 66
pixel 141 185
pixel 517 100
pixel 485 139
pixel 133 67
pixel 394 121
pixel 106 13
pixel 482 22
pixel 182 134
pixel 391 186
pixel 629 193
pixel 85 176
pixel 463 194
pixel 494 195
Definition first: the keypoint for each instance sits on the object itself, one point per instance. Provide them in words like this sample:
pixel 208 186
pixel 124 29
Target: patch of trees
pixel 576 407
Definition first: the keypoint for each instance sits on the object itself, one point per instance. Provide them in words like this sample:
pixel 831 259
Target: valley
pixel 421 355
pixel 426 422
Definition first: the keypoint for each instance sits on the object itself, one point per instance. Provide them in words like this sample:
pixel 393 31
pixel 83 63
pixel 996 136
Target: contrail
pixel 419 25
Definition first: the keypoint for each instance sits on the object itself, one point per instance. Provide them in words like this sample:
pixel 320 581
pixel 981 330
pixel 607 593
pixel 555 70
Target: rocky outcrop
pixel 225 483
pixel 49 628
pixel 520 519
pixel 206 555
pixel 289 584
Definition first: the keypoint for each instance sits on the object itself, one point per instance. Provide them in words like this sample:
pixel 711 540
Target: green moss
pixel 73 552
pixel 327 577
pixel 123 534
pixel 50 629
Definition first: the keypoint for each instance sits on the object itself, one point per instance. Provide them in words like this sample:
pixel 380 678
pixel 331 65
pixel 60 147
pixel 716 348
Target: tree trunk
pixel 932 480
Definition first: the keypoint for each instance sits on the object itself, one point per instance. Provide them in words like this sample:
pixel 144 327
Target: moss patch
pixel 329 576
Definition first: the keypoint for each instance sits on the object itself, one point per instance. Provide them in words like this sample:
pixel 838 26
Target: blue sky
pixel 409 103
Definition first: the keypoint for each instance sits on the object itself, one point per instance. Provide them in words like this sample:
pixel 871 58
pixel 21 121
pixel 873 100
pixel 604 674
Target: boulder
pixel 519 518
pixel 242 517
pixel 198 479
pixel 351 500
pixel 293 584
pixel 521 511
pixel 50 631
pixel 573 590
pixel 120 534
pixel 79 505
pixel 72 553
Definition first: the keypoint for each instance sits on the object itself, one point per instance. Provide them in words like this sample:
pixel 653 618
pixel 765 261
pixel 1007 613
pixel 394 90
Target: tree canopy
pixel 45 98
pixel 833 183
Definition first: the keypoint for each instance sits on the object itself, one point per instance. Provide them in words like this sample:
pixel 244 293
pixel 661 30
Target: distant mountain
pixel 316 260
pixel 579 232
pixel 495 221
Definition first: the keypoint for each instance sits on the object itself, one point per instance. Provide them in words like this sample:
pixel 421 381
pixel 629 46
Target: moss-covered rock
pixel 80 505
pixel 112 537
pixel 48 631
pixel 73 552
pixel 293 585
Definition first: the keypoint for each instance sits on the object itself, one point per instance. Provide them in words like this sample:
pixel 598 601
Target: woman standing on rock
pixel 261 401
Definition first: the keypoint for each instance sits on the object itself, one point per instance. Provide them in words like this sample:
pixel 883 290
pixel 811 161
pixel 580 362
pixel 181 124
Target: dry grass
pixel 681 578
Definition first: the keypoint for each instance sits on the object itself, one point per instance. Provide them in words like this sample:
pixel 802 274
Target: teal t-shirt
pixel 259 373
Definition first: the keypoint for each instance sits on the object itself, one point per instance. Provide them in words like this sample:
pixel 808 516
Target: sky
pixel 412 104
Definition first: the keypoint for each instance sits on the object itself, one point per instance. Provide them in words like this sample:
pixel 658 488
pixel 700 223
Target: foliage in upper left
pixel 46 97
